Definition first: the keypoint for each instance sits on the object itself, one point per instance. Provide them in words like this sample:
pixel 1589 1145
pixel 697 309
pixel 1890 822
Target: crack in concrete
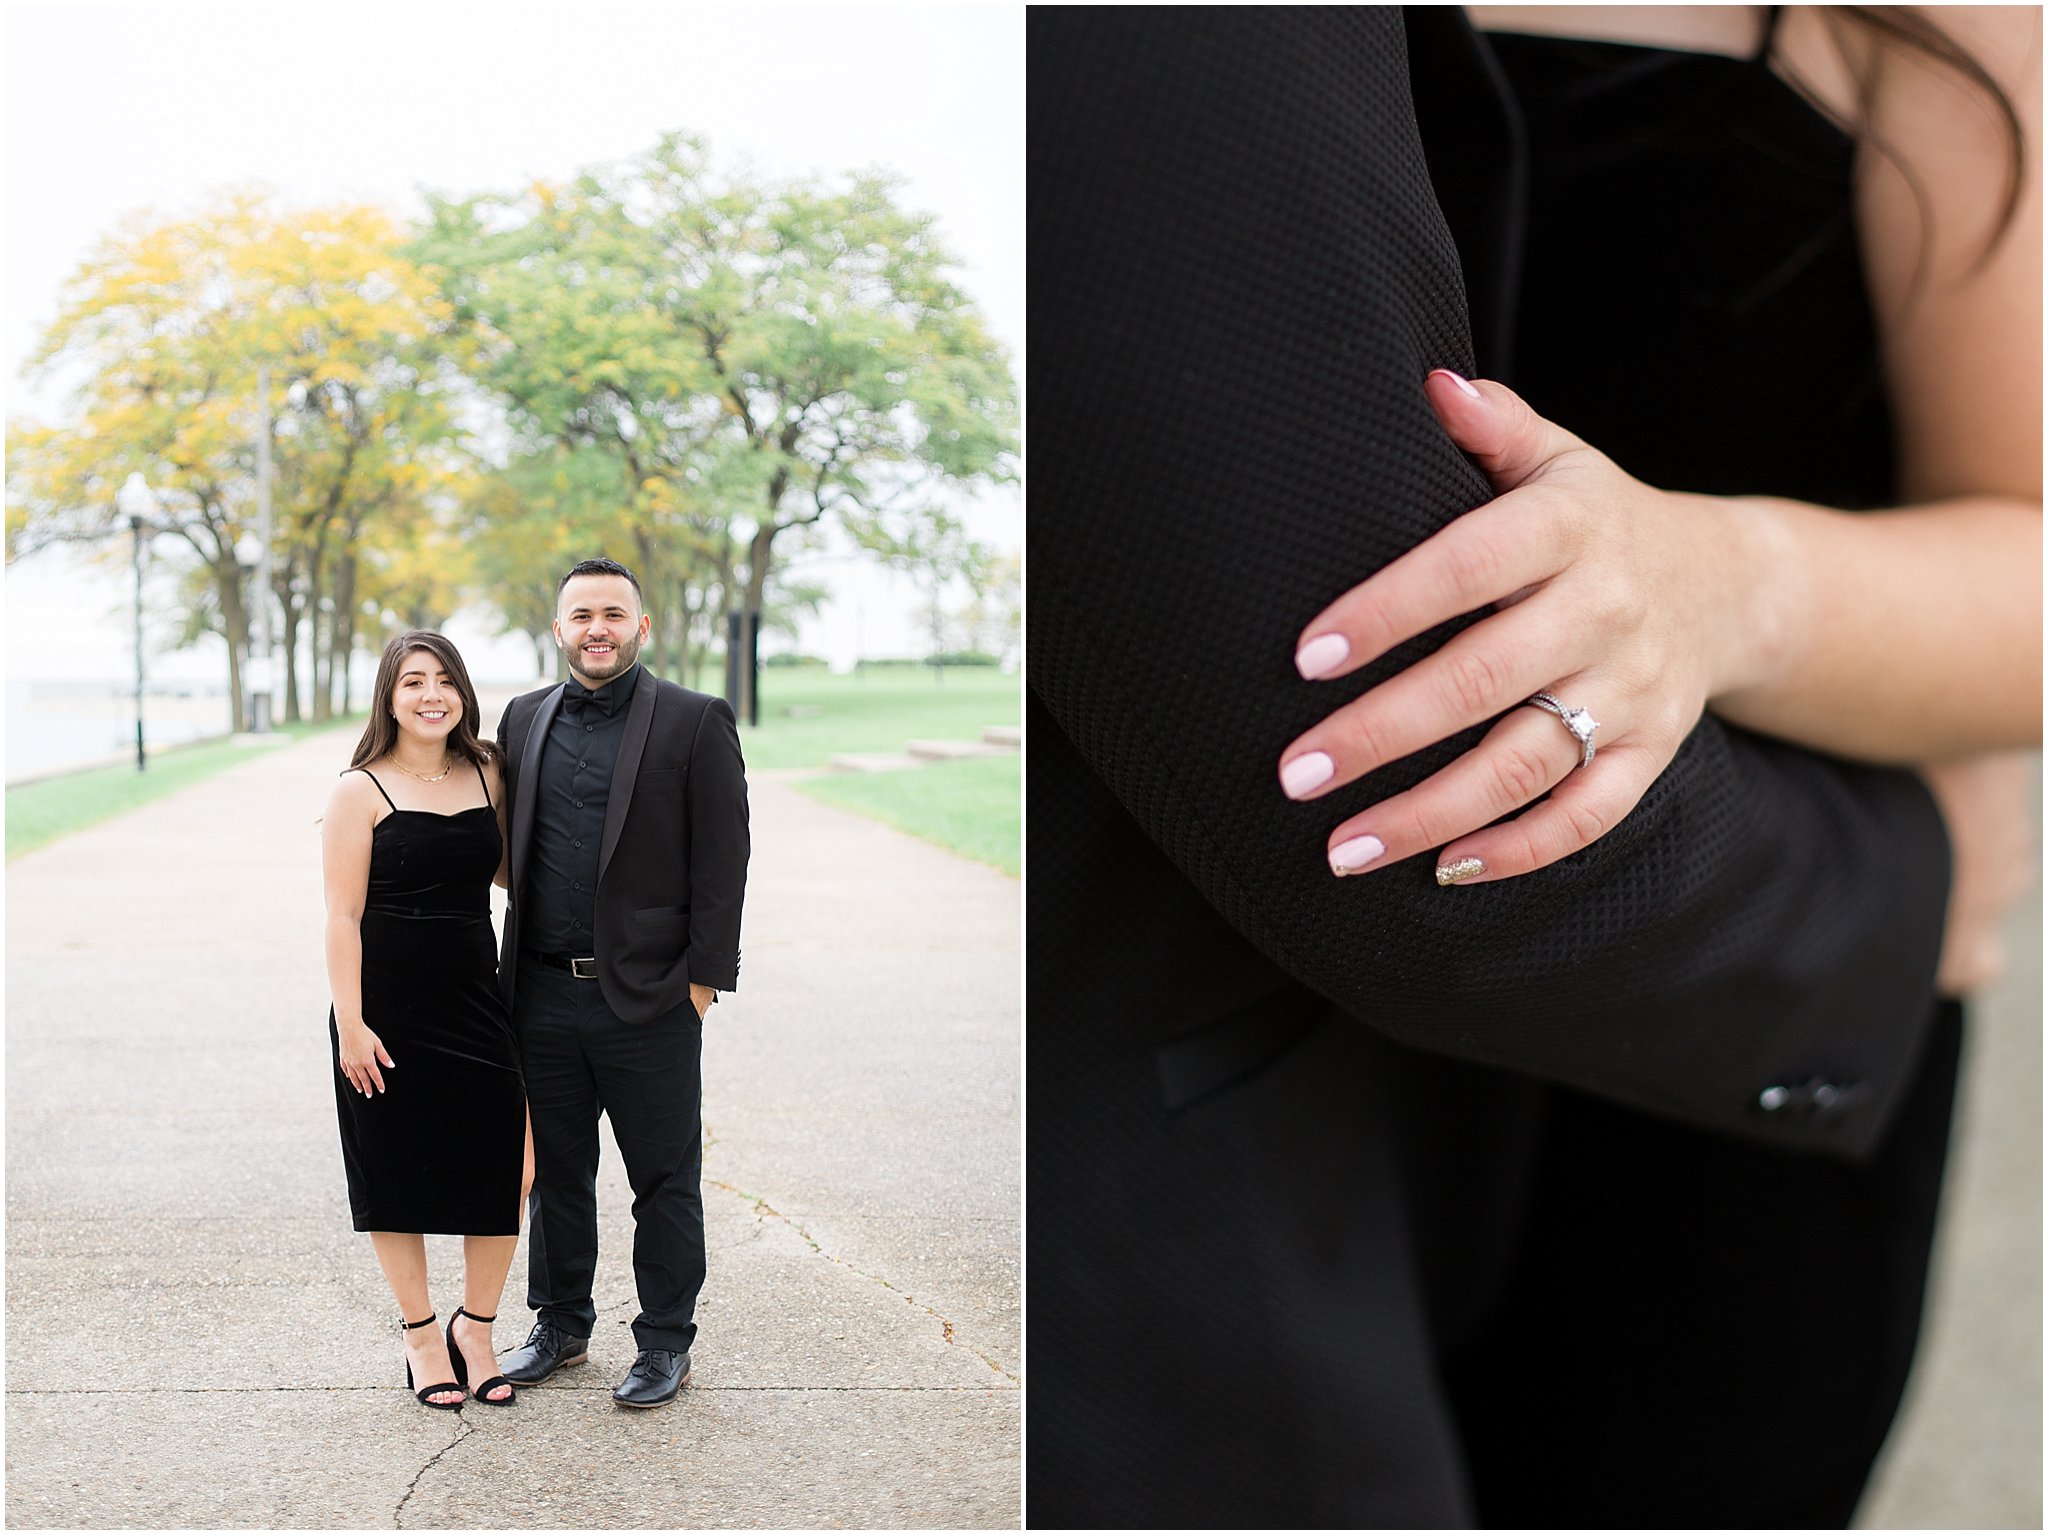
pixel 462 1432
pixel 762 1209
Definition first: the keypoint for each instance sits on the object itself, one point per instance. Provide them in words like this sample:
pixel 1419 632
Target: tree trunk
pixel 685 653
pixel 288 647
pixel 760 550
pixel 342 639
pixel 234 618
pixel 647 558
pixel 322 627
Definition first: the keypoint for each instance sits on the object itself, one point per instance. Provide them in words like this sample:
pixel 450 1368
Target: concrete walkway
pixel 196 1338
pixel 1965 1452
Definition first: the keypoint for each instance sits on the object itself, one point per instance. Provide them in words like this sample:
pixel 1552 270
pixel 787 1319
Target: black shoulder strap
pixel 380 788
pixel 485 782
pixel 1773 14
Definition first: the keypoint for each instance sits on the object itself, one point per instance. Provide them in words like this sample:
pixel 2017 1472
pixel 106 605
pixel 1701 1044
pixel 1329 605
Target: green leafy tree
pixel 756 357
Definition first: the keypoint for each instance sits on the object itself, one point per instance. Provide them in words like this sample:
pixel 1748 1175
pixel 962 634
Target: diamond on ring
pixel 1579 722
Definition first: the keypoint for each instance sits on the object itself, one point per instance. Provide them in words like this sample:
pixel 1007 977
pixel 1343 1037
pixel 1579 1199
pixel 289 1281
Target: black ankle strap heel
pixel 462 1365
pixel 426 1391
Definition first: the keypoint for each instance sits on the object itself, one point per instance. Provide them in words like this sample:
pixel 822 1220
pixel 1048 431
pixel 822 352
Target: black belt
pixel 583 967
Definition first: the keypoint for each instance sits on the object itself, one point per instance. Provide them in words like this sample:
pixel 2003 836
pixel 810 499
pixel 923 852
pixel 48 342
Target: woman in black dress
pixel 427 1080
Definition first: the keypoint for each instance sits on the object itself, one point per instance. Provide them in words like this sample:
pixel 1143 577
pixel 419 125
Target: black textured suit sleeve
pixel 1239 278
pixel 719 848
pixel 504 752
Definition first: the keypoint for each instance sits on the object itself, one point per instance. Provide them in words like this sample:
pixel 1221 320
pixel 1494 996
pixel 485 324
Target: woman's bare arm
pixel 345 838
pixel 1916 633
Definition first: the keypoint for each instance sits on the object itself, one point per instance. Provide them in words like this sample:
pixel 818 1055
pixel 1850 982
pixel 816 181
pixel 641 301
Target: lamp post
pixel 250 558
pixel 136 501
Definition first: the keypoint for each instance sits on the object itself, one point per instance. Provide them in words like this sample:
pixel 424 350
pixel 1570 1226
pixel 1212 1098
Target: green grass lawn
pixel 874 712
pixel 39 813
pixel 971 807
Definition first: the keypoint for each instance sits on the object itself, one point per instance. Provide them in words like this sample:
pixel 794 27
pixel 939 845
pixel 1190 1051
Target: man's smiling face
pixel 599 625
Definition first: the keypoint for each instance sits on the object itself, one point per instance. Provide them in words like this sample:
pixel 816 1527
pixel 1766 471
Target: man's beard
pixel 604 668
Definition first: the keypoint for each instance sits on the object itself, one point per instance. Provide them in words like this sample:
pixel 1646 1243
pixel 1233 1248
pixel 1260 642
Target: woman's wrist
pixel 1763 597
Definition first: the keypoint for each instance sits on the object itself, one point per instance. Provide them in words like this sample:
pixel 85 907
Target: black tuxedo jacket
pixel 1240 276
pixel 1363 1201
pixel 672 869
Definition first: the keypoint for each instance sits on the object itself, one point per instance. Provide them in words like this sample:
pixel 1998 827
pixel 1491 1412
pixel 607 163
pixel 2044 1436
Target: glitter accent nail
pixel 1457 873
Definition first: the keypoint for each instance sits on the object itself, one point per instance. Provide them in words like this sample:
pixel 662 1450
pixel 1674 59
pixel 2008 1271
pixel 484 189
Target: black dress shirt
pixel 568 824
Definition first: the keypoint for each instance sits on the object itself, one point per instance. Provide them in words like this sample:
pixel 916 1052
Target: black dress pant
pixel 581 1059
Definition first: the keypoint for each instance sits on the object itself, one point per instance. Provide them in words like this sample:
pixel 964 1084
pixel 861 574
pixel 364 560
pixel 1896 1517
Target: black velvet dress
pixel 440 1149
pixel 1692 303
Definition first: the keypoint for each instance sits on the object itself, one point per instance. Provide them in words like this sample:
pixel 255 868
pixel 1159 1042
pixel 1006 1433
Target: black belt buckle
pixel 576 969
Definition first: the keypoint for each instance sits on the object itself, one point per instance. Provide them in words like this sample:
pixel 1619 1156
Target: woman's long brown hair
pixel 1910 27
pixel 381 734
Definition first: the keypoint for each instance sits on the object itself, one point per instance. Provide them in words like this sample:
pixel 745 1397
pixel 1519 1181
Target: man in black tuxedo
pixel 1602 1199
pixel 627 868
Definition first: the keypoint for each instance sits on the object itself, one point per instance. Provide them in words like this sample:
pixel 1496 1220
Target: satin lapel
pixel 639 719
pixel 528 792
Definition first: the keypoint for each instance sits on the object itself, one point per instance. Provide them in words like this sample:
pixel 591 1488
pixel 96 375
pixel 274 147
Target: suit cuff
pixel 721 972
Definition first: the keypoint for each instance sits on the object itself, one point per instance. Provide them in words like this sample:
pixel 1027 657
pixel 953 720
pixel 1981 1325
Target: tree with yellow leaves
pixel 165 325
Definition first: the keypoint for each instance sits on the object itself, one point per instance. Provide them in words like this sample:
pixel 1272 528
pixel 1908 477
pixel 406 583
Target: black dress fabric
pixel 1362 1202
pixel 1691 293
pixel 442 1147
pixel 1692 303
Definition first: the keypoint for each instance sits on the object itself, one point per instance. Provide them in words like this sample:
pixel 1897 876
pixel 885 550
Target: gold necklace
pixel 447 767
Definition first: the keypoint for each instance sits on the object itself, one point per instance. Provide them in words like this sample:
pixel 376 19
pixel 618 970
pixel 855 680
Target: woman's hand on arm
pixel 1627 601
pixel 1891 637
pixel 345 837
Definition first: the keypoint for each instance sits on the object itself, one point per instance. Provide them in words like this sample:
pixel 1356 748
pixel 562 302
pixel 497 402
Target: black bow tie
pixel 575 696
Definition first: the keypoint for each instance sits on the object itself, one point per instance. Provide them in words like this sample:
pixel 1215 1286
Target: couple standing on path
pixel 613 809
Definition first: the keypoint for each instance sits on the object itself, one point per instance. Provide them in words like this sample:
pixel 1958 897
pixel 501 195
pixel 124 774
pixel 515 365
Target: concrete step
pixel 1011 736
pixel 873 762
pixel 952 751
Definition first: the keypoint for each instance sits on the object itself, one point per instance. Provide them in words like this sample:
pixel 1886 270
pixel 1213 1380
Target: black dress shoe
pixel 657 1375
pixel 547 1349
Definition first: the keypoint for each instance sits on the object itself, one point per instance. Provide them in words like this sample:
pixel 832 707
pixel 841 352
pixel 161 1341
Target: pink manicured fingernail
pixel 1349 857
pixel 1322 655
pixel 1463 383
pixel 1309 771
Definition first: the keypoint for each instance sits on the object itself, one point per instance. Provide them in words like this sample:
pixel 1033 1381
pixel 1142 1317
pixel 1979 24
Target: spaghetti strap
pixel 485 782
pixel 380 788
pixel 1773 14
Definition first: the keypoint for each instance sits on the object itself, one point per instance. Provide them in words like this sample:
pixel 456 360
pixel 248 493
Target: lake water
pixel 53 725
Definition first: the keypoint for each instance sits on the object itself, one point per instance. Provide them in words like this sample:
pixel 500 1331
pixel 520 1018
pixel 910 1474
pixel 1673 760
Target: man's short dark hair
pixel 600 567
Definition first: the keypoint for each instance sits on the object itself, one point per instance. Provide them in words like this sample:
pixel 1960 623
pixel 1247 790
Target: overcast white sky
pixel 111 108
